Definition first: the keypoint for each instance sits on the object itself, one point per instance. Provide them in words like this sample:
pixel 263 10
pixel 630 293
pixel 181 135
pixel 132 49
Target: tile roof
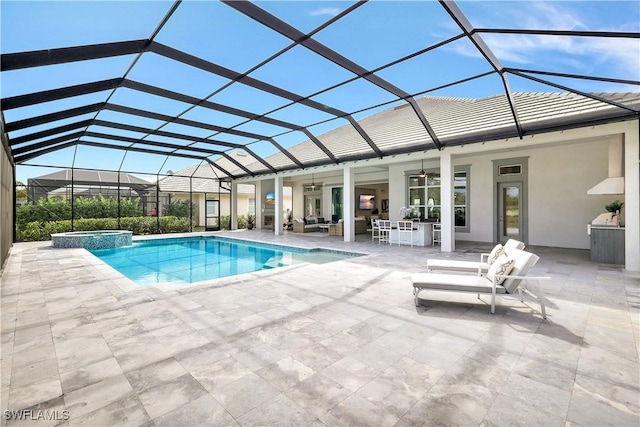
pixel 459 120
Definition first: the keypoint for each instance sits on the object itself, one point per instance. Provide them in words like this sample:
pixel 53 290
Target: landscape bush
pixel 84 207
pixel 181 209
pixel 38 231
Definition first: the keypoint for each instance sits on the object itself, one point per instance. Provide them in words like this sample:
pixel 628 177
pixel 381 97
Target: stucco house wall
pixel 558 205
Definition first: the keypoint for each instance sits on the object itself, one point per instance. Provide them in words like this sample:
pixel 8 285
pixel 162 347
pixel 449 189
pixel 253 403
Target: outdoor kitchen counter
pixel 607 244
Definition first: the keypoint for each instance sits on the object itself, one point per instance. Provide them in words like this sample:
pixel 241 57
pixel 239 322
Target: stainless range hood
pixel 614 183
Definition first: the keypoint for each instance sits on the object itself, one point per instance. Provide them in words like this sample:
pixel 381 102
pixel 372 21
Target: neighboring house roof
pixel 203 178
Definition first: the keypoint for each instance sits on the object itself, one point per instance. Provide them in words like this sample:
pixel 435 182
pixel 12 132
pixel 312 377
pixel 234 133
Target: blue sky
pixel 373 35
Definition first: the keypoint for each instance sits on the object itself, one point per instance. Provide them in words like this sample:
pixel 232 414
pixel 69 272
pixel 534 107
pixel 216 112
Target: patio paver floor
pixel 332 344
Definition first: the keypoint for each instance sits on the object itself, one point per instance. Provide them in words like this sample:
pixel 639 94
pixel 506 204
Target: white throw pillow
pixel 500 266
pixel 495 253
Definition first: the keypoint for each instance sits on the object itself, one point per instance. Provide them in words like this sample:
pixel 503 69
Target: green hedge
pixel 36 231
pixel 93 207
pixel 225 222
pixel 180 208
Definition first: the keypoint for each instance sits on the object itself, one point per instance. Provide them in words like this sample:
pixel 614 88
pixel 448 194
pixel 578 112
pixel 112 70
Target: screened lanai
pixel 152 87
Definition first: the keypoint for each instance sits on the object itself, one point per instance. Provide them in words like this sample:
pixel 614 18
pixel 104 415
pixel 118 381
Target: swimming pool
pixel 194 259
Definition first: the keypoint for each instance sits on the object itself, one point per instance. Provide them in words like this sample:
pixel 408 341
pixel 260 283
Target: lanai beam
pixel 456 14
pixel 278 25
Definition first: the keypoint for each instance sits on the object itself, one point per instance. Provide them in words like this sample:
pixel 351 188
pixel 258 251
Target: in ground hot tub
pixel 98 239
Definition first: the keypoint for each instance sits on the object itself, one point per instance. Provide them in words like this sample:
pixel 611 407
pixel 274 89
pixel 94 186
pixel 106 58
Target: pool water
pixel 194 259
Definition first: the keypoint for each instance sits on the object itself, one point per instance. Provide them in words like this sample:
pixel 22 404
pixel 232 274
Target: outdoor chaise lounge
pixel 450 265
pixel 505 276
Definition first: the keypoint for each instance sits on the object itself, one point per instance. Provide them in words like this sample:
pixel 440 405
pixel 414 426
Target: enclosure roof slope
pixel 252 88
pixel 90 177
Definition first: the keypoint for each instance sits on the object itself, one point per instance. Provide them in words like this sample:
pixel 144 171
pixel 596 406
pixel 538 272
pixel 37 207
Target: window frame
pixel 461 169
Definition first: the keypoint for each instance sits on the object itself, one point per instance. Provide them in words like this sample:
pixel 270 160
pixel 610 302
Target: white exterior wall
pixel 562 166
pixel 480 194
pixel 397 190
pixel 558 180
pixel 559 207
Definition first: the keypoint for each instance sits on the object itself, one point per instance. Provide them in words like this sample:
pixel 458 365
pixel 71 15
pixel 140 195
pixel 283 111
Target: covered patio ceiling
pixel 269 81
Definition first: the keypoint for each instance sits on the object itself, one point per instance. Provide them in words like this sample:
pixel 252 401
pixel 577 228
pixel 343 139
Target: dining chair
pixel 375 229
pixel 384 230
pixel 405 229
pixel 436 234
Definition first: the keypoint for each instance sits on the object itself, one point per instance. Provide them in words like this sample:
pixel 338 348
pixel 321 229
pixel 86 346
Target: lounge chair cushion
pixel 495 253
pixel 454 282
pixel 512 244
pixel 456 266
pixel 501 266
pixel 523 262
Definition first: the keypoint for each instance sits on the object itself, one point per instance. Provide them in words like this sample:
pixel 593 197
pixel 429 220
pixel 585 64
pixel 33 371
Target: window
pixel 252 206
pixel 417 194
pixel 460 199
pixel 424 193
pixel 313 200
pixel 312 206
pixel 510 170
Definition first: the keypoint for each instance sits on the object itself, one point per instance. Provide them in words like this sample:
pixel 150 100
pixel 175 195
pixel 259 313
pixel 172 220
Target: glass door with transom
pixel 510 214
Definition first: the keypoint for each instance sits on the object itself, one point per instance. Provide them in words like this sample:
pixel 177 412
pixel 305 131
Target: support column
pixel 632 198
pixel 348 201
pixel 448 243
pixel 234 205
pixel 278 220
pixel 259 205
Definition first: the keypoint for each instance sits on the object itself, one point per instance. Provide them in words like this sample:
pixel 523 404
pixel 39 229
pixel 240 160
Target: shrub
pixel 44 210
pixel 52 227
pixel 180 209
pixel 37 231
pixel 242 221
pixel 140 225
pixel 90 224
pixel 225 222
pixel 172 224
pixel 94 207
pixel 31 232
